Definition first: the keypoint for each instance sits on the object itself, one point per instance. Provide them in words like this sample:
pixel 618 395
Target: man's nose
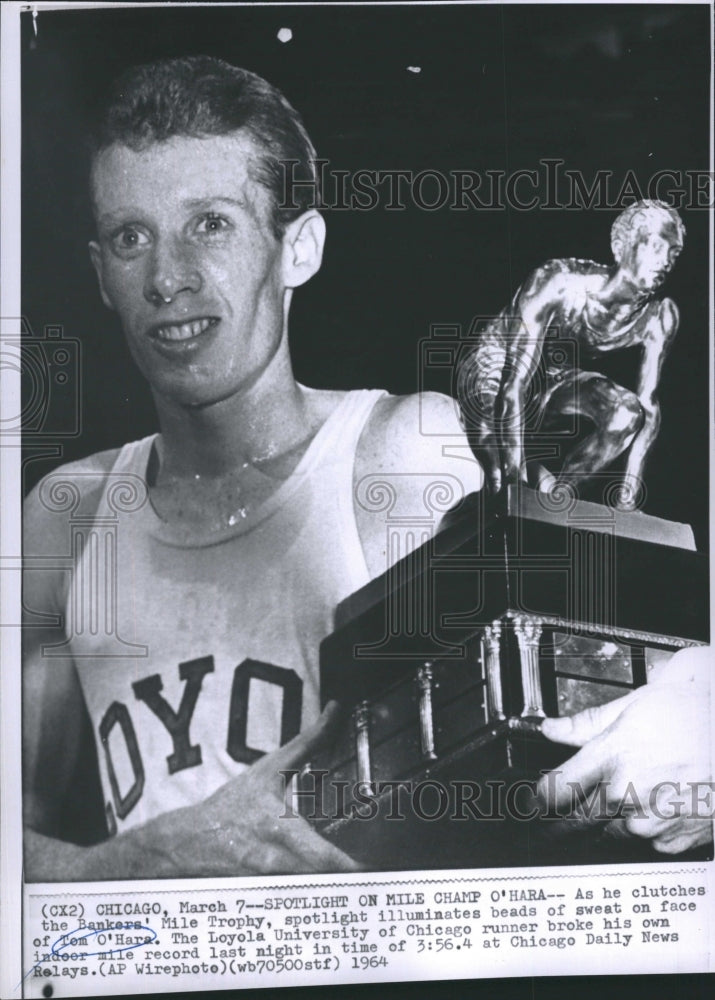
pixel 172 271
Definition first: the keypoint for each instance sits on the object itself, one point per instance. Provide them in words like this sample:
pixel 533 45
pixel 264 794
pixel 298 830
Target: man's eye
pixel 211 224
pixel 130 239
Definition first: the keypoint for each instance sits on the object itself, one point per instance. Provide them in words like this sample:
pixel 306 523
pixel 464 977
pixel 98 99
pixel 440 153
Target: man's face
pixel 186 257
pixel 652 256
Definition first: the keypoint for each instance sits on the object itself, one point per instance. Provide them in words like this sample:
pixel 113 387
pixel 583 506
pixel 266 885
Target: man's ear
pixel 303 243
pixel 95 255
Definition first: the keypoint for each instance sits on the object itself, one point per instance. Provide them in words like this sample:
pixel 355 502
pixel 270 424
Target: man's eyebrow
pixel 114 218
pixel 211 200
pixel 109 219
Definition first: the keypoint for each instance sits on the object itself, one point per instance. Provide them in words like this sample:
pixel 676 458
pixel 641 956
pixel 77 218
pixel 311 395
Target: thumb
pixel 575 730
pixel 297 752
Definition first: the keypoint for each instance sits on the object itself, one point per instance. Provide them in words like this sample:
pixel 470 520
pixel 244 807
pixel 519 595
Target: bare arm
pixel 52 705
pixel 661 331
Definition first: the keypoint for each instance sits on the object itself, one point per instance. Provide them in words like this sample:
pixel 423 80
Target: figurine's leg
pixel 539 477
pixel 486 451
pixel 616 413
pixel 478 382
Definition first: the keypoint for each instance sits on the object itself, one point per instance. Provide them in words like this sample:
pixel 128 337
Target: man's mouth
pixel 183 331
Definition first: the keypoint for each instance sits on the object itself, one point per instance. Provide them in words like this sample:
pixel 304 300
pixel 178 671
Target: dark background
pixel 608 87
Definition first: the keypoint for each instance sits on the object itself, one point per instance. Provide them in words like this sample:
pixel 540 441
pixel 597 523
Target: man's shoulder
pixel 418 434
pixel 419 412
pixel 101 462
pixel 97 467
pixel 413 464
pixel 72 488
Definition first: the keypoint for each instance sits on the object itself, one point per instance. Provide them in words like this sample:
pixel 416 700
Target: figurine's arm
pixel 533 309
pixel 662 328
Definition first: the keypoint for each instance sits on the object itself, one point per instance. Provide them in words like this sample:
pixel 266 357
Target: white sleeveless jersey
pixel 197 656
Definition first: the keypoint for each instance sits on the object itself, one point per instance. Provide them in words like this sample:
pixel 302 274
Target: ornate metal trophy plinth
pixel 445 666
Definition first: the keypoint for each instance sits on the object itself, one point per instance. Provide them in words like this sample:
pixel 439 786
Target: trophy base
pixel 447 664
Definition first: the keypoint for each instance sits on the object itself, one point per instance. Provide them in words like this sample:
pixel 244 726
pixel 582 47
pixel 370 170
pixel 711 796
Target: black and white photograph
pixel 357 377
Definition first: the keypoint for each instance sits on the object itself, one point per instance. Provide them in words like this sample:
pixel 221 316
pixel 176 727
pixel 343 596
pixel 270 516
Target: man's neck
pixel 254 425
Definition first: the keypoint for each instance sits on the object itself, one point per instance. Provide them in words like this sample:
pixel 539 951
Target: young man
pixel 207 560
pixel 247 531
pixel 598 309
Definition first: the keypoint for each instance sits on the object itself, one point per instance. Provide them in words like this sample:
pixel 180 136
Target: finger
pixel 582 815
pixel 298 751
pixel 617 830
pixel 314 853
pixel 685 665
pixel 647 827
pixel 673 846
pixel 572 780
pixel 575 730
pixel 641 827
pixel 689 835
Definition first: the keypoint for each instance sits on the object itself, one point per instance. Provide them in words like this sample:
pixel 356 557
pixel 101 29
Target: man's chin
pixel 191 398
pixel 177 395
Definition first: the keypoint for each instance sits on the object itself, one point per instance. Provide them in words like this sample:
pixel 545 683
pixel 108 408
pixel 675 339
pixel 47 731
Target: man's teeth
pixel 184 330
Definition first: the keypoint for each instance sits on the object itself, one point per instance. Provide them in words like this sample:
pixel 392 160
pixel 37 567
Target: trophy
pixel 530 601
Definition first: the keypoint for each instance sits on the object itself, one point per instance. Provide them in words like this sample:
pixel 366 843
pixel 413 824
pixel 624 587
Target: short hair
pixel 641 216
pixel 200 96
